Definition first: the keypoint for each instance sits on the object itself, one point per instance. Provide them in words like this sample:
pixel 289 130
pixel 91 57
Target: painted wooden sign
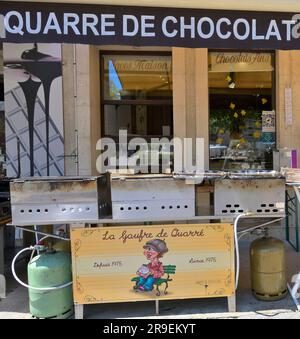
pixel 139 263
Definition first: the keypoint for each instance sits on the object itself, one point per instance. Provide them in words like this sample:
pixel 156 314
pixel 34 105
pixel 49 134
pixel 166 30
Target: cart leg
pixel 77 307
pixel 297 247
pixel 157 307
pixel 2 287
pixel 287 218
pixel 232 304
pixel 78 311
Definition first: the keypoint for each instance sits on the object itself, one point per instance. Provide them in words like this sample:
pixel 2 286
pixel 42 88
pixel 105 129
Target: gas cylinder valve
pixel 39 247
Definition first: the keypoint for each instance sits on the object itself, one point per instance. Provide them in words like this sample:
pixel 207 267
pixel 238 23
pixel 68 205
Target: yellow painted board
pixel 139 263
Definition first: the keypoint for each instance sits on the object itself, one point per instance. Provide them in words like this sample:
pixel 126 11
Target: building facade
pixel 240 100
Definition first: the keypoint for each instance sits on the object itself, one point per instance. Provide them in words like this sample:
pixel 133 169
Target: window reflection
pixel 137 92
pixel 131 77
pixel 242 120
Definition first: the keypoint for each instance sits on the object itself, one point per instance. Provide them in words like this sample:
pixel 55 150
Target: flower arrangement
pixel 237 122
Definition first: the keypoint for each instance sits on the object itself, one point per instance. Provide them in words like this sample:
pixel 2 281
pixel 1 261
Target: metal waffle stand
pixel 146 200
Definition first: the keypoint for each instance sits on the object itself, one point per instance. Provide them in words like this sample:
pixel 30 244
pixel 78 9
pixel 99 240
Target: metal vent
pixel 62 199
pixel 140 199
pixel 259 196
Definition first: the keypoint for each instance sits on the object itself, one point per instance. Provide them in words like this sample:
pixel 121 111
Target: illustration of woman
pixel 148 274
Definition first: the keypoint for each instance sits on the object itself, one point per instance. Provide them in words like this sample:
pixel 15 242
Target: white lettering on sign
pixel 107 23
pixel 256 36
pixel 169 33
pixel 90 21
pixel 211 30
pixel 38 24
pixel 133 25
pixel 14 28
pixel 148 26
pixel 71 20
pixel 241 25
pixel 187 27
pixel 289 24
pixel 133 21
pixel 219 31
pixel 273 31
pixel 52 24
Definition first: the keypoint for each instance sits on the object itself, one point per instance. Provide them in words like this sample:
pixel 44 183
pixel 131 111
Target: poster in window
pixel 268 122
pixel 33 109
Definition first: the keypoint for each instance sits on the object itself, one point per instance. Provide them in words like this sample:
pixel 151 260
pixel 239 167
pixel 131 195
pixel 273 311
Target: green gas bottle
pixel 50 269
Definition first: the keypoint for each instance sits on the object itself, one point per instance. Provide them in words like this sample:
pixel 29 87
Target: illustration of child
pixel 148 274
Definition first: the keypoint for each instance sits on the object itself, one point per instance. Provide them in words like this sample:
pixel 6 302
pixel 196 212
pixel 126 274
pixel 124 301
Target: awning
pixel 150 26
pixel 247 5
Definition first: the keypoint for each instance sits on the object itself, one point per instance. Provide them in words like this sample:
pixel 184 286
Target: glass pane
pixel 130 77
pixel 147 122
pixel 242 120
pixel 138 120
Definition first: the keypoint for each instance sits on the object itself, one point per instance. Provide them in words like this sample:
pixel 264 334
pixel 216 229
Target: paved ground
pixel 16 303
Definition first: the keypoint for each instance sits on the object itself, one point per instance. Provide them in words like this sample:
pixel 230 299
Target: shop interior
pixel 137 96
pixel 241 88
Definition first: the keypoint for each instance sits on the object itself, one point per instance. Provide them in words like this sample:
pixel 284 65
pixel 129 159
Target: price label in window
pixel 268 122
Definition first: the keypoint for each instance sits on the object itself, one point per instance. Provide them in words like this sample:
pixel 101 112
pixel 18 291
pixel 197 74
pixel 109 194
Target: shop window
pixel 136 96
pixel 242 110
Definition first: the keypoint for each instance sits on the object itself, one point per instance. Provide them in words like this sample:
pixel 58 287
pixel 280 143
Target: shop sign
pixel 226 62
pixel 141 65
pixel 139 263
pixel 147 26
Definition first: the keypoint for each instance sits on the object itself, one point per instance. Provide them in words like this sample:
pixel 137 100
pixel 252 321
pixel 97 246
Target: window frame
pixel 274 88
pixel 132 102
